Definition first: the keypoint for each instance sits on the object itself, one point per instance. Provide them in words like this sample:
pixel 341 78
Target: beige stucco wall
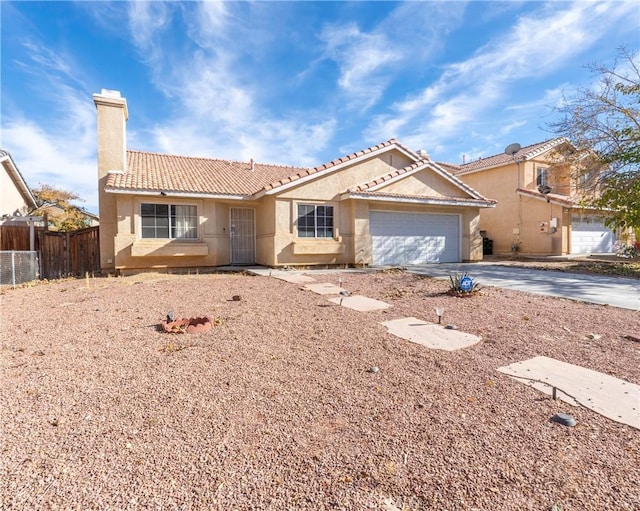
pixel 516 219
pixel 11 200
pixel 276 240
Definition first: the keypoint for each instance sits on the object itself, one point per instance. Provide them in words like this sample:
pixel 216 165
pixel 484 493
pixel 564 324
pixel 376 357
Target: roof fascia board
pixel 334 168
pixel 546 199
pixel 186 195
pixel 418 200
pixel 17 178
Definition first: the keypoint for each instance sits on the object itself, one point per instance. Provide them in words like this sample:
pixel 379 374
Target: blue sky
pixel 297 83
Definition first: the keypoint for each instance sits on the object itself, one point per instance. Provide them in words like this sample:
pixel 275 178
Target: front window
pixel 541 179
pixel 169 221
pixel 315 221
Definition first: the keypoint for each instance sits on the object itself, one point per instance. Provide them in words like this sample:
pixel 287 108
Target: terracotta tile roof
pixel 343 159
pixel 185 174
pixel 525 153
pixel 419 165
pixel 150 172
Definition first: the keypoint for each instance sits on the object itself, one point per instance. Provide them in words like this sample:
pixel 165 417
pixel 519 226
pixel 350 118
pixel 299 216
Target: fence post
pixel 13 268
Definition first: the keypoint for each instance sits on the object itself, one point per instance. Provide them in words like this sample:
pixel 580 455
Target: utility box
pixel 544 227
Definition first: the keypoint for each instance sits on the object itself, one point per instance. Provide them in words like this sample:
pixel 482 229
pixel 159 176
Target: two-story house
pixel 538 209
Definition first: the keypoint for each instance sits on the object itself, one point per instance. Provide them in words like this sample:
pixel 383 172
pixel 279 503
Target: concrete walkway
pixel 600 289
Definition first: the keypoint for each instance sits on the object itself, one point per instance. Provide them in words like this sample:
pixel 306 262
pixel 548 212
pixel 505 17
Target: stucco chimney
pixel 112 155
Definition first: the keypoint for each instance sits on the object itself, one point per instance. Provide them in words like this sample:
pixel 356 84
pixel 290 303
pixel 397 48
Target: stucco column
pixel 112 156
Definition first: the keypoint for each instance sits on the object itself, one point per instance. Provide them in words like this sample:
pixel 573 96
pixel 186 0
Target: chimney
pixel 112 156
pixel 253 165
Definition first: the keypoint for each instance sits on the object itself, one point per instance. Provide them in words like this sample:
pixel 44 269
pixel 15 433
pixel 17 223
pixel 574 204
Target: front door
pixel 243 236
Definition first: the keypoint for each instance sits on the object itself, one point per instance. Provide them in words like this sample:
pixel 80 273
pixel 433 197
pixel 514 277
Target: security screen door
pixel 243 236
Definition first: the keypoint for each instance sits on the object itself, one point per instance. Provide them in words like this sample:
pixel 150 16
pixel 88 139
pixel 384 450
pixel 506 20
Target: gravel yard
pixel 275 408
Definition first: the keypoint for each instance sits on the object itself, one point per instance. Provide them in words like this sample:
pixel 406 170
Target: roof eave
pixel 334 168
pixel 420 200
pixel 177 194
pixel 21 184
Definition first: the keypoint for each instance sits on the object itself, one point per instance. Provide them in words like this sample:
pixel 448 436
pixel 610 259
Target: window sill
pixel 168 248
pixel 318 246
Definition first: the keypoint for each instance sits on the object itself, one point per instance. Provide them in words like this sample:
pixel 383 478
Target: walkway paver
pixel 360 303
pixel 325 288
pixel 430 335
pixel 616 399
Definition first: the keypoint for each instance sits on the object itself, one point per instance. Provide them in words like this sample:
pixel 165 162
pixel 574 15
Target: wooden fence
pixel 16 237
pixel 62 254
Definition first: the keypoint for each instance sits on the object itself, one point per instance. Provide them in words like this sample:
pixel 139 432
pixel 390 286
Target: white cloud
pixel 539 44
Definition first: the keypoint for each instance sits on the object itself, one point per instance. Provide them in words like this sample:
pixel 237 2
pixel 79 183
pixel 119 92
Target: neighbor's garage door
pixel 414 238
pixel 590 235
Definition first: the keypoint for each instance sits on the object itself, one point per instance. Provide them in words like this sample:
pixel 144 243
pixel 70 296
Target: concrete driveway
pixel 614 291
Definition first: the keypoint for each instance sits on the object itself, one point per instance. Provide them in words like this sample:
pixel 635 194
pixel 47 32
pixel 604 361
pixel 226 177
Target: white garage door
pixel 414 238
pixel 589 235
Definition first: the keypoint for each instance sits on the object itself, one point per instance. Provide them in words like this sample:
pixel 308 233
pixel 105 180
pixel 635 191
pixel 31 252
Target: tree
pixel 603 124
pixel 62 215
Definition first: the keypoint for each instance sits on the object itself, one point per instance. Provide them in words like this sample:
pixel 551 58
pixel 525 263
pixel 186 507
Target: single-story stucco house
pixel 384 205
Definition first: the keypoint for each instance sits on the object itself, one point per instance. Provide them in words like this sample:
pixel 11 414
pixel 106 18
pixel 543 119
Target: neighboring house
pixel 538 208
pixel 384 205
pixel 16 198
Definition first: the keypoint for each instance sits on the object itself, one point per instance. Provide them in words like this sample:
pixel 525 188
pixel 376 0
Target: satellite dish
pixel 512 149
pixel 544 189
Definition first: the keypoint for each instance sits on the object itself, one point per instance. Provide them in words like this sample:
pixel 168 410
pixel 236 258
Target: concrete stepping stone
pixel 430 335
pixel 325 288
pixel 294 278
pixel 360 303
pixel 612 397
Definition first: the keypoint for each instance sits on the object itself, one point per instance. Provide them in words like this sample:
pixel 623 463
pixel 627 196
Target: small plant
pixel 625 251
pixel 462 284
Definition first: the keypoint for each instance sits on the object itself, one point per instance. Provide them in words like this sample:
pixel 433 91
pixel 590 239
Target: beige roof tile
pixel 525 153
pixel 149 172
pixel 186 174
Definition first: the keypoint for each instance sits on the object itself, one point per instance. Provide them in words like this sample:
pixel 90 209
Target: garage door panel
pixel 414 238
pixel 590 236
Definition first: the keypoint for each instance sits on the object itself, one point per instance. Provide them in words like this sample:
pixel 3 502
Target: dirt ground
pixel 277 408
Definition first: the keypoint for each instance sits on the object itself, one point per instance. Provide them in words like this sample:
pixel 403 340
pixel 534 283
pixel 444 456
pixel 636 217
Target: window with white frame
pixel 169 221
pixel 541 176
pixel 315 221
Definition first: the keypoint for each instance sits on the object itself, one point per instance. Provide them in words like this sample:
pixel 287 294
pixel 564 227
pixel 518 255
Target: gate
pixel 65 254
